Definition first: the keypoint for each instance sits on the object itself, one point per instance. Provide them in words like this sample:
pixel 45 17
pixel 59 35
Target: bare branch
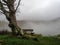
pixel 4 4
pixel 2 8
pixel 10 5
pixel 4 1
pixel 17 5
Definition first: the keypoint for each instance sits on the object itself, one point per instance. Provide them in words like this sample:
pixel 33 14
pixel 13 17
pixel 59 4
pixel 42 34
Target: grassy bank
pixel 6 40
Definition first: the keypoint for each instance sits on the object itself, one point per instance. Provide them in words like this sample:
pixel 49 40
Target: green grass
pixel 19 41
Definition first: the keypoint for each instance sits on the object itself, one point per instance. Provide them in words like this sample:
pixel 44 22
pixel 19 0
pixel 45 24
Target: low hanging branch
pixel 8 9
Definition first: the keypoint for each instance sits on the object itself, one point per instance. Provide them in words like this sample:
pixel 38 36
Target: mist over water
pixel 42 27
pixel 41 15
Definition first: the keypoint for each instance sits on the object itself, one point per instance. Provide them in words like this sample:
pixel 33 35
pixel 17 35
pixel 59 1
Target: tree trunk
pixel 13 25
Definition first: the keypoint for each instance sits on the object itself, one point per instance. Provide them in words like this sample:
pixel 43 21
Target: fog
pixel 42 27
pixel 40 11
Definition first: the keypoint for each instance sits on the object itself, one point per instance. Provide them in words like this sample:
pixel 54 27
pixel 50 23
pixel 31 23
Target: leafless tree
pixel 8 9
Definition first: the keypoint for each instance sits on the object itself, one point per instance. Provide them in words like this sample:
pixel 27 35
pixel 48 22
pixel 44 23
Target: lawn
pixel 7 40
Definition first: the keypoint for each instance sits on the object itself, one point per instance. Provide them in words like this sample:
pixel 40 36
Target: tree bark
pixel 16 30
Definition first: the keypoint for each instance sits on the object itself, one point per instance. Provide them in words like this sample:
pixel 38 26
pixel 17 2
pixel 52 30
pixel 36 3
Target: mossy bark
pixel 16 30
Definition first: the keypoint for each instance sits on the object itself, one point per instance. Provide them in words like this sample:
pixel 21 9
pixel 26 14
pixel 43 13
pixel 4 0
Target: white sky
pixel 38 10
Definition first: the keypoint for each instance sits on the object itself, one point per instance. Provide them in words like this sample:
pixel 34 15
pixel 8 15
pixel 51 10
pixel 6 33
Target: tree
pixel 8 9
